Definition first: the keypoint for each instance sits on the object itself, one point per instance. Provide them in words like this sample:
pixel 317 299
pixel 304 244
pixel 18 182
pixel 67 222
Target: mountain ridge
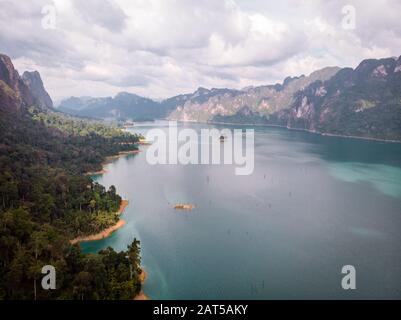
pixel 361 102
pixel 17 92
pixel 33 81
pixel 122 106
pixel 264 99
pixel 14 93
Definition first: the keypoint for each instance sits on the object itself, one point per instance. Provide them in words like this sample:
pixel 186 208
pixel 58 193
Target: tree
pixel 134 256
pixel 45 201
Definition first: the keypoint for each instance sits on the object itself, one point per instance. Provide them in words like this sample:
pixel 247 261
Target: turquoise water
pixel 312 205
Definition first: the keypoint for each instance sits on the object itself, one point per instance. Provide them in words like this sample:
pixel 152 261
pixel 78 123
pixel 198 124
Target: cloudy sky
pixel 159 48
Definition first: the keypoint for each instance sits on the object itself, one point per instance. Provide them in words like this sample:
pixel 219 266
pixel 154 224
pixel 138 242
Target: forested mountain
pixel 45 200
pixel 123 106
pixel 200 105
pixel 203 105
pixel 364 102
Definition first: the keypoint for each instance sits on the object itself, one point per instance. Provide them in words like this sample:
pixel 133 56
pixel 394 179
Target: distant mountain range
pixel 123 106
pixel 201 105
pixel 362 102
pixel 365 102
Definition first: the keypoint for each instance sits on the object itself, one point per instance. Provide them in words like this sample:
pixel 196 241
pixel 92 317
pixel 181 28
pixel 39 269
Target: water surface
pixel 312 205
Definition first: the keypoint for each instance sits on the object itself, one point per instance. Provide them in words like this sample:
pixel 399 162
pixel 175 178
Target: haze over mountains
pixel 200 105
pixel 123 106
pixel 362 102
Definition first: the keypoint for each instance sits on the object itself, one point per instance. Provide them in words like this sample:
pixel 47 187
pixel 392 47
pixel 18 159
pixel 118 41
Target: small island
pixel 184 206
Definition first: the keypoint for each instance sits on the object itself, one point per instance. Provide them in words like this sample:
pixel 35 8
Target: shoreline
pixel 110 159
pixel 106 232
pixel 142 278
pixel 294 129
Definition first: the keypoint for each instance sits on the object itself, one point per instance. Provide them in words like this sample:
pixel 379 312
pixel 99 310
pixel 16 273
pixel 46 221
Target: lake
pixel 312 205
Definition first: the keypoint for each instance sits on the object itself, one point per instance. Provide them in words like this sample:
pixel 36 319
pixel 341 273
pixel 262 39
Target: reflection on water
pixel 312 205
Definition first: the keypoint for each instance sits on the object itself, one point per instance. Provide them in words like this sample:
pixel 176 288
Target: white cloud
pixel 158 48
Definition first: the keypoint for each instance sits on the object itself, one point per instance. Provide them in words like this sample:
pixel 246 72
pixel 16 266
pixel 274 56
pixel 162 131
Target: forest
pixel 46 200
